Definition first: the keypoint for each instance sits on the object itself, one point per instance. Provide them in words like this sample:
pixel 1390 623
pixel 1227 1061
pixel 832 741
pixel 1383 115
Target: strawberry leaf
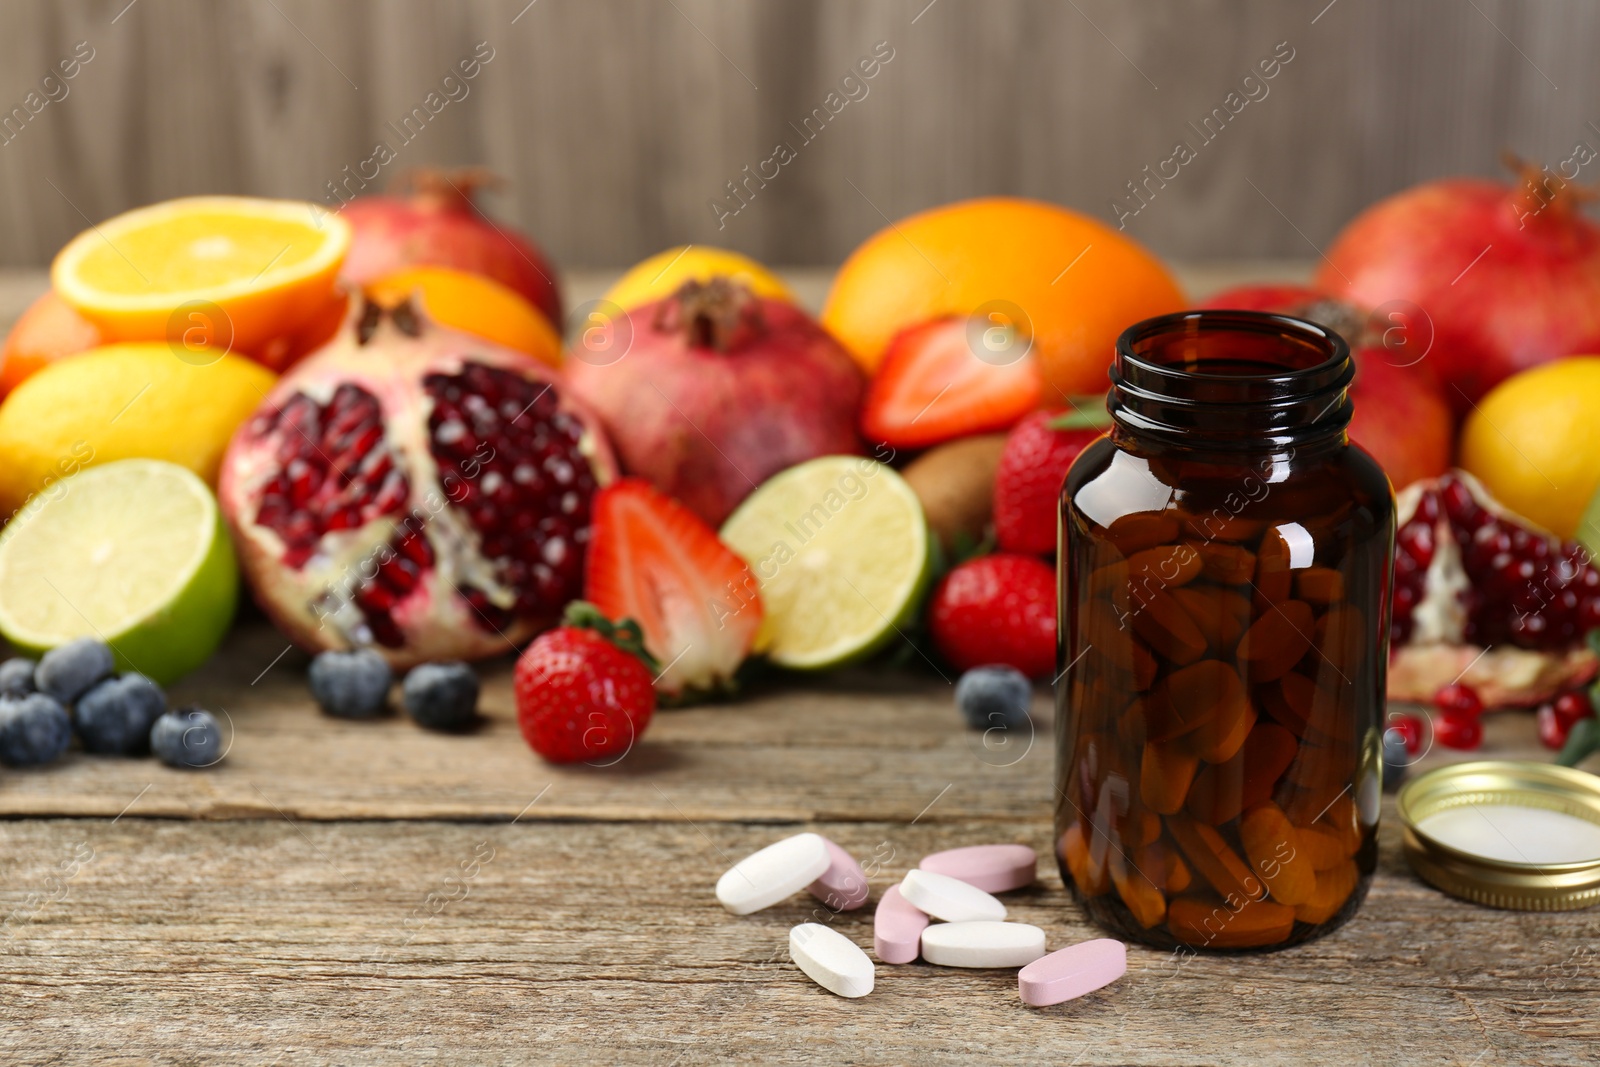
pixel 1088 413
pixel 626 634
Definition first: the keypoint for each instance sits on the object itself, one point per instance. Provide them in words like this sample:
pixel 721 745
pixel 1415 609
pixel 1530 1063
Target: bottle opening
pixel 1231 378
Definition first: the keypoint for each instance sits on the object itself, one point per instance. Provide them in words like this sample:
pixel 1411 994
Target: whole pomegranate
pixel 1508 274
pixel 436 223
pixel 1400 416
pixel 718 390
pixel 1484 597
pixel 413 489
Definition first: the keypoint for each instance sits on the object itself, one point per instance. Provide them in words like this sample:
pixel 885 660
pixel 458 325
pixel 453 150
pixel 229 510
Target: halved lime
pixel 841 551
pixel 134 553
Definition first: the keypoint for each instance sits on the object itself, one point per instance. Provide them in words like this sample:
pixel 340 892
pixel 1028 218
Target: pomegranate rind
pixel 707 425
pixel 1503 676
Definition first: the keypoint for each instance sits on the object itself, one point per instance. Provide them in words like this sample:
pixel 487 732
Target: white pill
pixel 949 899
pixel 780 870
pixel 982 944
pixel 831 960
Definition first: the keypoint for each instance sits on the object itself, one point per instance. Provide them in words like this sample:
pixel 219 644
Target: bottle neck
pixel 1231 381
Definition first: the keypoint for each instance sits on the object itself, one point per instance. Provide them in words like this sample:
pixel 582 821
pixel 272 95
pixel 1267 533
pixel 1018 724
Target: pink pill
pixel 897 928
pixel 992 868
pixel 1072 972
pixel 843 886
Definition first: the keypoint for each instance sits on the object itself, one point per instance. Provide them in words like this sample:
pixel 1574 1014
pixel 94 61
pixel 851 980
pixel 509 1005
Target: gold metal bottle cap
pixel 1507 834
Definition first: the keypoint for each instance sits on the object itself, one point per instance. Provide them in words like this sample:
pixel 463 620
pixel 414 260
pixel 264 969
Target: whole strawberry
pixel 1033 464
pixel 998 609
pixel 584 690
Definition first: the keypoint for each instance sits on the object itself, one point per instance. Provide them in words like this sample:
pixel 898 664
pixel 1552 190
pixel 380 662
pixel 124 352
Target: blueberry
pixel 1396 760
pixel 66 673
pixel 352 685
pixel 16 677
pixel 994 696
pixel 114 718
pixel 441 696
pixel 33 729
pixel 189 737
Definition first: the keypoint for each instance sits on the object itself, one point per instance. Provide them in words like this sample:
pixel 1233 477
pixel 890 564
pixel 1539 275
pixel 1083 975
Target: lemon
pixel 1534 442
pixel 238 269
pixel 152 401
pixel 842 554
pixel 134 553
pixel 662 274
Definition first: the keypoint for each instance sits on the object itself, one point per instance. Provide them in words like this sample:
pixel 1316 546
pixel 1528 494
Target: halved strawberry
pixel 933 386
pixel 653 560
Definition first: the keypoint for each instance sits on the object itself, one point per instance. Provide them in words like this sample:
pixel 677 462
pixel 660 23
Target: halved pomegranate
pixel 1484 597
pixel 414 489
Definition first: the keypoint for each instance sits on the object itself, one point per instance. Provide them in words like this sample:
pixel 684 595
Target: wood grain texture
pixel 549 942
pixel 865 745
pixel 617 121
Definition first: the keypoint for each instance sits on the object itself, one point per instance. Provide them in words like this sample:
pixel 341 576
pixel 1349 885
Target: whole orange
pixel 47 331
pixel 1068 281
pixel 473 304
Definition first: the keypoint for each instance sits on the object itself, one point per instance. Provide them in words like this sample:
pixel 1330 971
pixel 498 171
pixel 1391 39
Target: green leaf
pixel 1588 534
pixel 626 634
pixel 1088 413
pixel 1582 742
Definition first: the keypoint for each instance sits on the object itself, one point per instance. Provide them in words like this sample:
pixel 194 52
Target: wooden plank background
pixel 616 121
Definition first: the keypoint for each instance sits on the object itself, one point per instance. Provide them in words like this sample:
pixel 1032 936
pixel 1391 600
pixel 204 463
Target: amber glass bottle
pixel 1225 557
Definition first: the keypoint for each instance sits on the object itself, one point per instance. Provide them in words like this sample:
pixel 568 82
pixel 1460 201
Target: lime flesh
pixel 133 553
pixel 841 551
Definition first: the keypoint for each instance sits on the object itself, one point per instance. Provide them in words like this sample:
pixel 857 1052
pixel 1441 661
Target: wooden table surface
pixel 353 893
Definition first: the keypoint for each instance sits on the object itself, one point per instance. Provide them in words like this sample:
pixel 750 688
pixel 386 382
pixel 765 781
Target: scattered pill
pixel 843 886
pixel 831 960
pixel 897 928
pixel 780 870
pixel 992 868
pixel 1071 972
pixel 982 944
pixel 949 899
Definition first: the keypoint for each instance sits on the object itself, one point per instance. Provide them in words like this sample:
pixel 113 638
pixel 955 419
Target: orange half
pixel 239 269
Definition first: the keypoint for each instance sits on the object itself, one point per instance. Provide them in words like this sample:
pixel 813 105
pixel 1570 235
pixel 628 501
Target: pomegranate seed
pixel 391 494
pixel 399 574
pixel 1571 706
pixel 1409 727
pixel 376 599
pixel 1455 730
pixel 1552 731
pixel 1417 542
pixel 1427 509
pixel 1460 699
pixel 416 549
pixel 384 630
pixel 1531 630
pixel 1460 507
